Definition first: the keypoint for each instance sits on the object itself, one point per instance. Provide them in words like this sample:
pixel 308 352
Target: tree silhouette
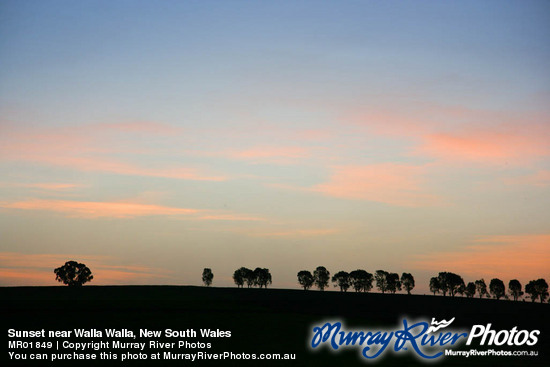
pixel 542 288
pixel 435 287
pixel 531 290
pixel 537 289
pixel 249 278
pixel 262 277
pixel 470 290
pixel 240 276
pixel 381 278
pixel 407 280
pixel 514 287
pixel 394 284
pixel 73 274
pixel 456 285
pixel 207 276
pixel 305 279
pixel 481 287
pixel 496 287
pixel 342 280
pixel 451 282
pixel 443 280
pixel 321 277
pixel 361 280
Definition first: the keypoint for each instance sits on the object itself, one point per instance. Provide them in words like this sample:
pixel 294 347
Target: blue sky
pixel 154 139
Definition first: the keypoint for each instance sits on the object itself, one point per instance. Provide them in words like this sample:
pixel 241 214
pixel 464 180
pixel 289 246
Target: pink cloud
pixel 390 183
pixel 48 186
pixel 476 145
pixel 90 148
pixel 52 186
pixel 507 257
pixel 453 134
pixel 18 260
pixel 117 167
pixel 122 209
pixel 91 209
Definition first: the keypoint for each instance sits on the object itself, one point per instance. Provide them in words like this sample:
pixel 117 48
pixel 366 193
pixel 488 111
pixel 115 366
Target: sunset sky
pixel 150 140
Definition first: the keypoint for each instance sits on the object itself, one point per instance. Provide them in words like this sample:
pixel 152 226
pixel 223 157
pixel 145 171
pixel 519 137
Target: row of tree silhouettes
pixel 360 280
pixel 453 284
pixel 73 274
pixel 445 283
pixel 260 277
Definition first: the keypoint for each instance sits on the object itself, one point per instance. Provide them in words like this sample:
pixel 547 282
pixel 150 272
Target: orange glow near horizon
pixel 37 269
pixel 507 257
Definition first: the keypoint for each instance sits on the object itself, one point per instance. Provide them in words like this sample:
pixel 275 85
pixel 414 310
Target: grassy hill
pixel 261 320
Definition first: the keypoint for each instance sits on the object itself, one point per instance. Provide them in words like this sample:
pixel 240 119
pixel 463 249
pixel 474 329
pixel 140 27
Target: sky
pixel 150 140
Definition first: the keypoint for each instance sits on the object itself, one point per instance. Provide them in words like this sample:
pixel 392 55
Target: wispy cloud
pixel 483 146
pixel 117 167
pixel 52 186
pixel 122 209
pixel 47 186
pixel 93 209
pixel 95 148
pixel 455 134
pixel 507 257
pixel 390 183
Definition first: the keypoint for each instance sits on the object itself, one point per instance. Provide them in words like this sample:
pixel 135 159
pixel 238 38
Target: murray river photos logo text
pixel 427 341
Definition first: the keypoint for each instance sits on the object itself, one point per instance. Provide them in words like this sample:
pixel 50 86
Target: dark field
pixel 262 321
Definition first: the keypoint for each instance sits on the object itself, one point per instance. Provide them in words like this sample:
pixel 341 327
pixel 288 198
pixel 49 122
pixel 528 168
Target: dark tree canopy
pixel 342 280
pixel 361 280
pixel 514 287
pixel 434 285
pixel 207 276
pixel 262 277
pixel 443 281
pixel 451 283
pixel 73 274
pixel 249 277
pixel 481 287
pixel 537 289
pixel 496 287
pixel 240 276
pixel 305 279
pixel 394 284
pixel 321 277
pixel 381 278
pixel 457 285
pixel 470 290
pixel 407 281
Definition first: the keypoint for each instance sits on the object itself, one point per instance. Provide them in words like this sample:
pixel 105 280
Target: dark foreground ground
pixel 260 321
